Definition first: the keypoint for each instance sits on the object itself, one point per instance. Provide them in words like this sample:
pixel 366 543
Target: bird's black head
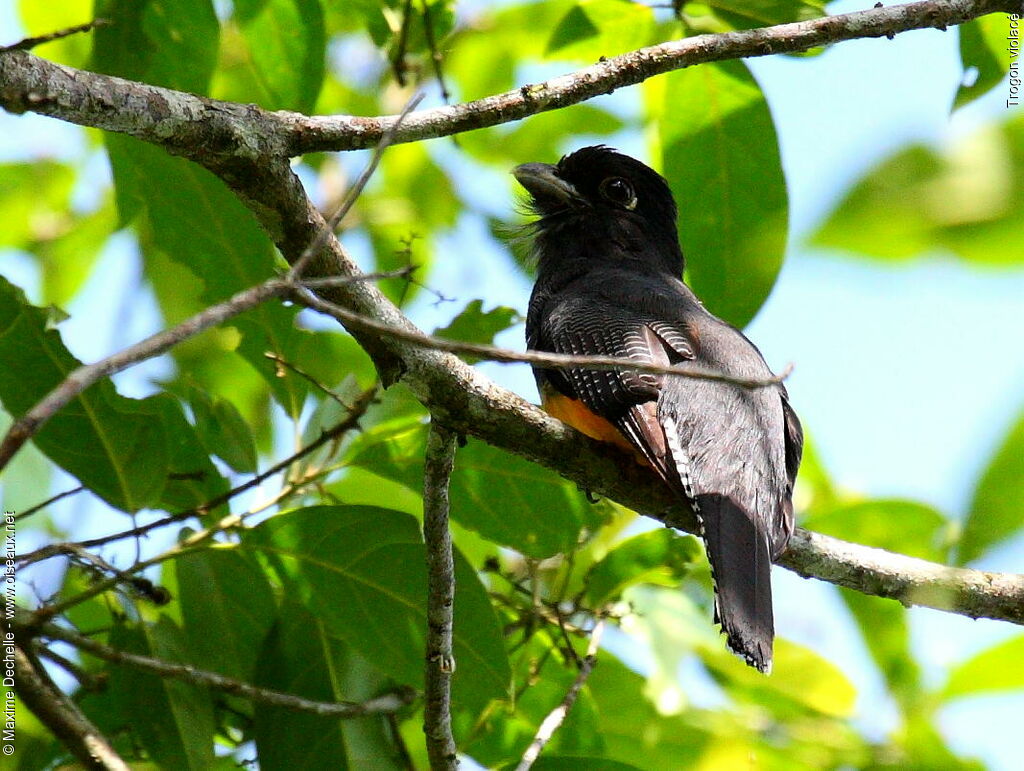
pixel 597 196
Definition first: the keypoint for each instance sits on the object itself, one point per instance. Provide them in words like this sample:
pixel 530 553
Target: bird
pixel 610 282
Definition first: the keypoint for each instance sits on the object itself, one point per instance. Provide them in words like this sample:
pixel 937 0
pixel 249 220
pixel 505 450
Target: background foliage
pixel 322 593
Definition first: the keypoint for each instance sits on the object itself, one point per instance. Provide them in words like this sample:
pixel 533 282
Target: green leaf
pixel 997 509
pixel 474 325
pixel 506 499
pixel 282 64
pixel 227 609
pixel 656 557
pixel 904 527
pixel 568 763
pixel 170 43
pixel 595 28
pixel 747 14
pixel 67 259
pixel 983 48
pixel 361 570
pixel 34 199
pixel 300 658
pixel 994 670
pixel 117 447
pixel 223 431
pixel 193 480
pixel 920 202
pixel 45 18
pixel 172 720
pixel 721 157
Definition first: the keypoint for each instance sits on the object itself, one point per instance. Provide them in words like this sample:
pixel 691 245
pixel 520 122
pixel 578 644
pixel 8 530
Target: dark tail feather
pixel 741 570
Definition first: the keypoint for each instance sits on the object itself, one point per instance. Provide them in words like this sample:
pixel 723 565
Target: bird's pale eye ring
pixel 619 191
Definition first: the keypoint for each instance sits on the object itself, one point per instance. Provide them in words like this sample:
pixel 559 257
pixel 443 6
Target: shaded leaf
pixel 173 720
pixel 721 157
pixel 227 608
pixel 300 658
pixel 997 508
pixel 474 325
pixel 506 499
pixel 223 431
pixel 747 14
pixel 361 570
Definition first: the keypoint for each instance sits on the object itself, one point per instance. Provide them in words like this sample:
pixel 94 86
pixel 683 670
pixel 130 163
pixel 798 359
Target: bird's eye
pixel 619 191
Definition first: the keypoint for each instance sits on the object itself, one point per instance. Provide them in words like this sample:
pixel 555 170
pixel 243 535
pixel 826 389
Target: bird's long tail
pixel 741 570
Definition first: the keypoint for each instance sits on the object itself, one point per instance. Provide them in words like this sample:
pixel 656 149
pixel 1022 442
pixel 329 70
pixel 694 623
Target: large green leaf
pixel 171 43
pixel 301 658
pixel 721 157
pixel 119 448
pixel 905 527
pixel 984 49
pixel 745 14
pixel 44 18
pixel 227 608
pixel 997 510
pixel 361 570
pixel 506 499
pixel 33 196
pixel 282 64
pixel 921 202
pixel 171 719
pixel 993 670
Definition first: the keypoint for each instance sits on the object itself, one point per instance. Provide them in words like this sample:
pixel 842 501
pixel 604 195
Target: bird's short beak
pixel 544 184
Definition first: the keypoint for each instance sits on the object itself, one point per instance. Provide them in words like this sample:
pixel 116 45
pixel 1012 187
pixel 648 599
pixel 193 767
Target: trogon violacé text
pixel 609 283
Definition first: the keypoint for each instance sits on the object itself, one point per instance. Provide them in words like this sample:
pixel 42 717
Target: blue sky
pixel 880 381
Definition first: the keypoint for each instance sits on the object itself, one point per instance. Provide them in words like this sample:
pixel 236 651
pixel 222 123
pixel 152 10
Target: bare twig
pixel 356 410
pixel 435 54
pixel 76 382
pixel 388 702
pixel 554 360
pixel 48 502
pixel 440 659
pixel 398 61
pixel 31 42
pixel 62 716
pixel 557 716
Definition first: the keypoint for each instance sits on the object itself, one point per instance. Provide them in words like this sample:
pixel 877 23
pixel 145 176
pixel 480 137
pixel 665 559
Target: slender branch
pixel 350 421
pixel 75 383
pixel 440 660
pixel 388 702
pixel 504 355
pixel 62 716
pixel 31 42
pixel 557 716
pixel 171 119
pixel 48 502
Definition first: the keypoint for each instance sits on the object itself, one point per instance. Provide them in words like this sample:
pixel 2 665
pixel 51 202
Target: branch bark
pixel 440 659
pixel 62 716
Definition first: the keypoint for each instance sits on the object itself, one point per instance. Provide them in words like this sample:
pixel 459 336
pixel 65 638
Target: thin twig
pixel 353 193
pixel 398 62
pixel 350 421
pixel 62 716
pixel 31 42
pixel 435 54
pixel 440 660
pixel 557 716
pixel 504 355
pixel 48 502
pixel 389 702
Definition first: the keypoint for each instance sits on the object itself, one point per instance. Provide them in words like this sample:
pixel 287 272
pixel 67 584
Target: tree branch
pixel 388 702
pixel 62 716
pixel 440 660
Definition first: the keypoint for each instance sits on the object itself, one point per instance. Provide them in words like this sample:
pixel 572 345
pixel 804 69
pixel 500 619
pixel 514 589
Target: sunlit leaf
pixel 905 527
pixel 45 18
pixel 721 158
pixel 985 54
pixel 997 510
pixel 920 202
pixel 118 447
pixel 993 670
pixel 659 557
